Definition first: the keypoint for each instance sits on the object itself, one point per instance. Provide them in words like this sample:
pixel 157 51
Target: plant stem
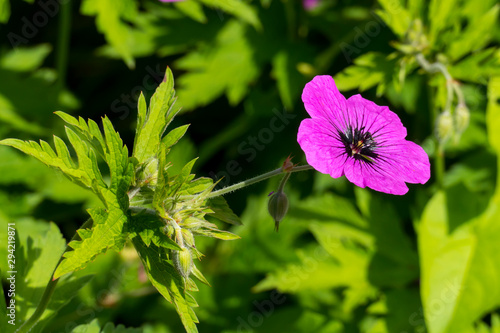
pixel 438 67
pixel 283 182
pixel 451 87
pixel 440 165
pixel 63 42
pixel 254 180
pixel 49 290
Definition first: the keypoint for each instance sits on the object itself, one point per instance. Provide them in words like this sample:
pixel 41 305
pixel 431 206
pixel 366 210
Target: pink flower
pixel 310 4
pixel 358 139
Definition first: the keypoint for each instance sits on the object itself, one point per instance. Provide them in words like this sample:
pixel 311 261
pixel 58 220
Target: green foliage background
pixel 346 259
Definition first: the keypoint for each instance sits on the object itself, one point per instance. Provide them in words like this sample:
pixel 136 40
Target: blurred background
pixel 345 259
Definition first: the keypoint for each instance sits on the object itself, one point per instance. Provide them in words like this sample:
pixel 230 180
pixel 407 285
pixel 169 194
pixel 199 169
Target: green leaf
pixel 192 9
pixel 4 11
pixel 3 309
pixel 440 16
pixel 83 175
pixel 222 211
pixel 493 114
pixel 94 327
pixel 107 232
pixel 211 69
pixel 152 125
pixel 369 70
pixel 240 9
pixel 174 136
pixel 110 16
pixel 17 122
pixel 395 15
pixel 24 59
pixel 150 229
pixel 478 67
pixel 198 185
pixel 119 167
pixel 38 249
pixel 216 233
pixel 460 266
pixel 282 69
pixel 167 281
pixel 476 35
pixel 88 132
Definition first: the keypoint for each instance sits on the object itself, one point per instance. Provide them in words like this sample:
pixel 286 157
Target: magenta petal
pixel 378 120
pixel 379 179
pixel 360 139
pixel 322 99
pixel 322 150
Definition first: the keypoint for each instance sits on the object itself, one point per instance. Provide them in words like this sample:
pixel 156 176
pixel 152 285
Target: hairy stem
pixel 49 290
pixel 254 180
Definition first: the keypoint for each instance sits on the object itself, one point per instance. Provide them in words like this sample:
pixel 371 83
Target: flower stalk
pixel 256 179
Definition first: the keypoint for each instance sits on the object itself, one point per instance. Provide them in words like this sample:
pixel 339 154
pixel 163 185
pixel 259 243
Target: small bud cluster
pixel 448 125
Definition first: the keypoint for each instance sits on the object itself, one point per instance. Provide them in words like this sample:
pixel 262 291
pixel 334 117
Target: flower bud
pixel 182 261
pixel 278 207
pixel 462 117
pixel 444 126
pixel 149 173
pixel 188 237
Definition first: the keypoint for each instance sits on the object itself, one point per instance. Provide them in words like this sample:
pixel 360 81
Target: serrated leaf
pixel 160 113
pixel 369 70
pixel 222 211
pixel 166 280
pixel 39 246
pixel 395 15
pixel 109 20
pixel 150 229
pixel 440 14
pixel 478 67
pixel 120 168
pixel 211 69
pixel 107 232
pixel 475 36
pixel 89 133
pixel 240 9
pixel 78 175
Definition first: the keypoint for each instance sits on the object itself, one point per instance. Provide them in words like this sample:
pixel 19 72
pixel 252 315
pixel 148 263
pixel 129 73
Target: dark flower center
pixel 359 144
